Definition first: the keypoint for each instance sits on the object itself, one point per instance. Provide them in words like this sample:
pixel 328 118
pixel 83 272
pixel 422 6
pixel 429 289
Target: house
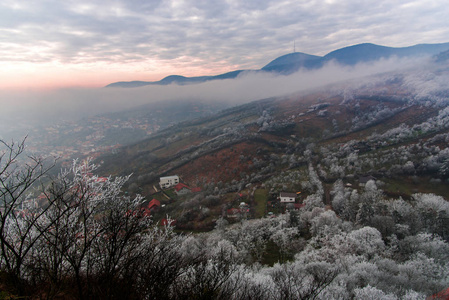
pixel 233 213
pixel 287 197
pixel 298 206
pixel 148 208
pixel 195 189
pixel 182 189
pixel 154 204
pixel 244 208
pixel 168 181
pixel 364 179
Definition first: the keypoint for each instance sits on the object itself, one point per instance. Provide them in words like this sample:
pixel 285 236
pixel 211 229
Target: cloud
pixel 212 34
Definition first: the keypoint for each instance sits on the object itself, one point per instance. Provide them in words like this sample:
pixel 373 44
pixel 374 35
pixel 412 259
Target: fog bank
pixel 45 107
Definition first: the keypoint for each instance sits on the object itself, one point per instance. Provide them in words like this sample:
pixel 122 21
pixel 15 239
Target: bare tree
pixel 19 173
pixel 95 231
pixel 209 277
pixel 161 263
pixel 295 281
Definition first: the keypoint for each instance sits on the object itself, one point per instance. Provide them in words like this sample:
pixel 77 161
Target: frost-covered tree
pixel 338 196
pixel 94 227
pixel 302 280
pixel 434 213
pixel 19 211
pixel 210 277
pixel 372 293
pixel 366 241
pixel 286 238
pixel 368 200
pixel 324 223
pixel 351 206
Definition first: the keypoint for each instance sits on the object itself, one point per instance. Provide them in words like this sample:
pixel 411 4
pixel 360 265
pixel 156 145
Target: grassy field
pixel 405 185
pixel 261 197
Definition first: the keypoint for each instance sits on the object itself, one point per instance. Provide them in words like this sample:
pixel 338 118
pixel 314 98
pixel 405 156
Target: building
pixel 287 197
pixel 233 212
pixel 364 179
pixel 182 189
pixel 148 207
pixel 169 181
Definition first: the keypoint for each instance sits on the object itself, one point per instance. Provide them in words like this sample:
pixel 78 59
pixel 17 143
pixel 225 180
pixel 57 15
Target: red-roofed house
pixel 154 204
pixel 182 189
pixel 233 212
pixel 150 207
pixel 196 190
pixel 299 205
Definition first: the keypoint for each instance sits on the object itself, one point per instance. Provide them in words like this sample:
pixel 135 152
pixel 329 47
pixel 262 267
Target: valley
pixel 335 192
pixel 224 150
pixel 376 128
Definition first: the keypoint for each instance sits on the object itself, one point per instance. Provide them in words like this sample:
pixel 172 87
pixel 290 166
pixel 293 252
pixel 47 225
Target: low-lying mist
pixel 31 108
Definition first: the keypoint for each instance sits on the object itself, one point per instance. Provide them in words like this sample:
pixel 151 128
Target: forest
pixel 85 237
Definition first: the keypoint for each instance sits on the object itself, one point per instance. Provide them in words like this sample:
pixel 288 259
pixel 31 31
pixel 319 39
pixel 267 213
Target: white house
pixel 287 197
pixel 168 181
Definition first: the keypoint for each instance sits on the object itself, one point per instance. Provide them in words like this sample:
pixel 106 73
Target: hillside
pixel 103 133
pixel 393 127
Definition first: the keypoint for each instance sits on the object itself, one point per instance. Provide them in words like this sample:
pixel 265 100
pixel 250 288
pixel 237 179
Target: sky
pixel 47 44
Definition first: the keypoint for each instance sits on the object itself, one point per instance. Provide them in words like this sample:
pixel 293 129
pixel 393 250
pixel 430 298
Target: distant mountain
pixel 178 79
pixel 292 62
pixel 369 52
pixel 442 57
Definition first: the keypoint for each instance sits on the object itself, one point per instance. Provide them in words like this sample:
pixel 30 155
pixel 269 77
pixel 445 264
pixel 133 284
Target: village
pixel 90 137
pixel 241 207
pixel 191 208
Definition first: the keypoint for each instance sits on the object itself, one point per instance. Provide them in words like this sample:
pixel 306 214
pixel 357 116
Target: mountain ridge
pixel 292 62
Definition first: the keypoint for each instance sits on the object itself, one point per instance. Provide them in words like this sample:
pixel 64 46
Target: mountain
pixel 292 62
pixel 369 52
pixel 177 79
pixel 442 57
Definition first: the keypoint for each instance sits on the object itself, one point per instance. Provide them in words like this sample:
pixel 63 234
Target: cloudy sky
pixel 54 44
